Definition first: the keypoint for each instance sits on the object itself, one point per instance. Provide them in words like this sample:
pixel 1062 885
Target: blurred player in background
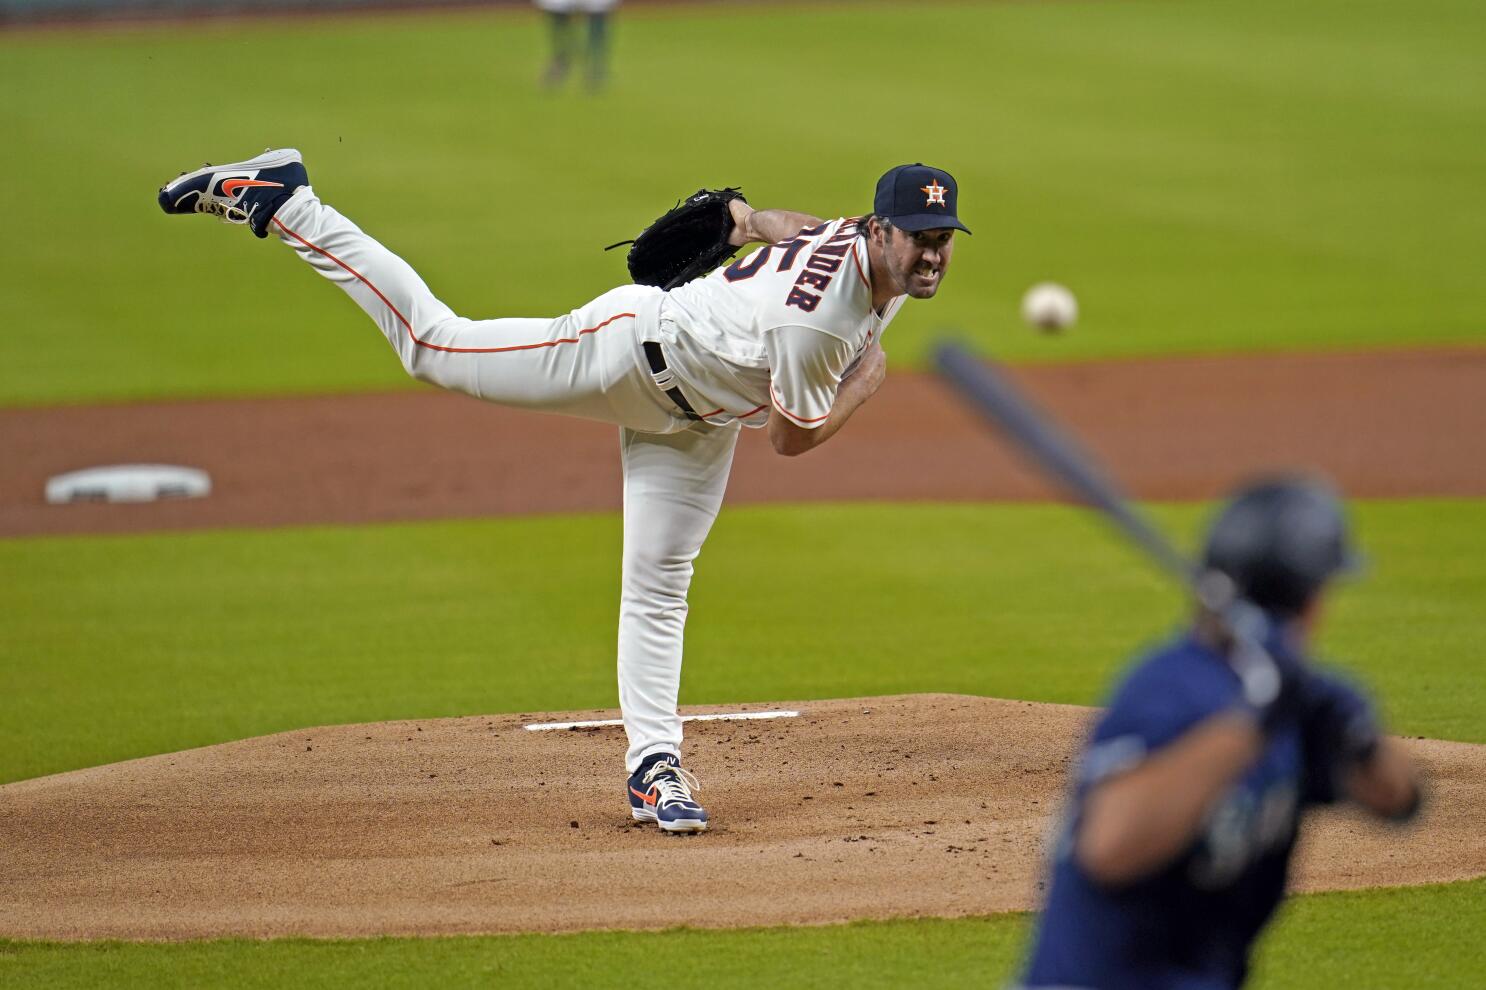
pixel 561 17
pixel 1175 847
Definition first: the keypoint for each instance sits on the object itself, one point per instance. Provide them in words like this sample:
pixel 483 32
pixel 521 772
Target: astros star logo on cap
pixel 936 193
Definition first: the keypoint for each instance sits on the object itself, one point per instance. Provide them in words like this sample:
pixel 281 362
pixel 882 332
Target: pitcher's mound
pixel 867 808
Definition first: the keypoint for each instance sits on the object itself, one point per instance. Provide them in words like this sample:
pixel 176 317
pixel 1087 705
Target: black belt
pixel 664 378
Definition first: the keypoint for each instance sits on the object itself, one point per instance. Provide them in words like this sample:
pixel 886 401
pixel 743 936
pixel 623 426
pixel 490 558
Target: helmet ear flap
pixel 1280 540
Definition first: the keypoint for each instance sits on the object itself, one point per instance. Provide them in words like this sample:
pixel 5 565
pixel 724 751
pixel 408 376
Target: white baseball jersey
pixel 781 326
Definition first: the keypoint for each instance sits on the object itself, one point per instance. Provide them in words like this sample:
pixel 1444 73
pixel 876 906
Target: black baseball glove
pixel 688 241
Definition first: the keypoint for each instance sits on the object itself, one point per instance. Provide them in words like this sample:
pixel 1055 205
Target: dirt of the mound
pixel 864 808
pixel 1386 423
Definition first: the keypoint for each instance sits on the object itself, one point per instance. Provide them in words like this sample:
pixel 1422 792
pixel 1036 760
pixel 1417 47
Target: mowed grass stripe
pixel 1396 938
pixel 124 646
pixel 1209 177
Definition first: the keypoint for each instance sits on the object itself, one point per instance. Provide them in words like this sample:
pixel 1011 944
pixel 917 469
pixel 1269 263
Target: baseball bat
pixel 992 394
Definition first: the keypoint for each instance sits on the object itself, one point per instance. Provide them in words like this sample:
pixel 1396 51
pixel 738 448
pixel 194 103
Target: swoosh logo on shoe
pixel 647 798
pixel 231 186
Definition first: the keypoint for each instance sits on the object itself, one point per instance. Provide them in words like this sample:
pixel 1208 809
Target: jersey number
pixel 745 268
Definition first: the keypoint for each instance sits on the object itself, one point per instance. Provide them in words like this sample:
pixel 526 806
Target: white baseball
pixel 1049 306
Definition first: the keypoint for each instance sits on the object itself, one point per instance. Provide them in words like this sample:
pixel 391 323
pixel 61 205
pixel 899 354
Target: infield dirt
pixel 860 808
pixel 1381 424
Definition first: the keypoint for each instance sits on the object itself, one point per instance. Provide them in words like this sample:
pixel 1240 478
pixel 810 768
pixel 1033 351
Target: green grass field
pixel 1439 925
pixel 1209 177
pixel 124 646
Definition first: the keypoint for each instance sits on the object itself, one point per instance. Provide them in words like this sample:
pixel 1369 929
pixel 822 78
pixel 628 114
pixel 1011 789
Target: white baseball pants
pixel 587 363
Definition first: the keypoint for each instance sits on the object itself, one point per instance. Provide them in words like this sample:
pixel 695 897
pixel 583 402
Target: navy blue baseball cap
pixel 918 197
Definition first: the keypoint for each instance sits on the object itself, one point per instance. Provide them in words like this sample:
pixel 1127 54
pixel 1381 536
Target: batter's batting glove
pixel 1337 717
pixel 1271 671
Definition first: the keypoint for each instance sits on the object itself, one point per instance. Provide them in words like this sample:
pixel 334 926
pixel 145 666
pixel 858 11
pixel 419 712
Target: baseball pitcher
pixel 787 339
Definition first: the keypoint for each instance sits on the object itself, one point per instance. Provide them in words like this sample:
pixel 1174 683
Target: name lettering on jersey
pixel 818 279
pixel 823 263
pixel 1240 830
pixel 821 269
pixel 800 298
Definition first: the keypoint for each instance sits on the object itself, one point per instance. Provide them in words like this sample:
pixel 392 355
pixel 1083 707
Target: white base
pixel 128 483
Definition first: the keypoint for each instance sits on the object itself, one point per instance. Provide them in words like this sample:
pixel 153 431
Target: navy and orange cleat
pixel 243 192
pixel 660 792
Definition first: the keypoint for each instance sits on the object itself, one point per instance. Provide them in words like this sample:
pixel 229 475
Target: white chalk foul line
pixel 722 717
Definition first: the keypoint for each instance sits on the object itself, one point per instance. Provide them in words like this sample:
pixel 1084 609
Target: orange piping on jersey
pixel 754 410
pixel 865 280
pixel 439 347
pixel 798 419
pixel 720 412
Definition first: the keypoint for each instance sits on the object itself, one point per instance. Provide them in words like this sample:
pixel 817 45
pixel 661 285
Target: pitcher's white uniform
pixel 778 327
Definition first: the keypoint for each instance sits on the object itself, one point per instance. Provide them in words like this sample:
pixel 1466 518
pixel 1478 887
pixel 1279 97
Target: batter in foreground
pixel 1189 798
pixel 787 338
